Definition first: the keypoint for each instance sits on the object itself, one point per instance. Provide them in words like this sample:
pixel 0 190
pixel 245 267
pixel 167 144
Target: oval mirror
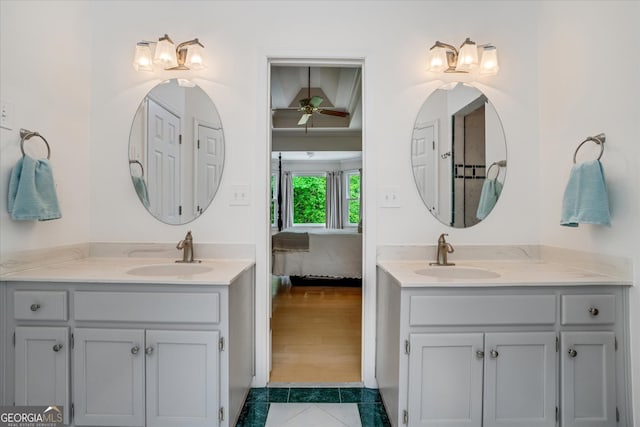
pixel 176 151
pixel 458 155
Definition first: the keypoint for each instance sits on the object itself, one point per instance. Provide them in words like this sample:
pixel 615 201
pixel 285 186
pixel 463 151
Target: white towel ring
pixel 25 135
pixel 598 139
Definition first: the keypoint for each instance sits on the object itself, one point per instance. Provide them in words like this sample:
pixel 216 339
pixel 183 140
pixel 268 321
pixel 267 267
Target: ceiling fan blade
pixel 334 113
pixel 315 101
pixel 304 119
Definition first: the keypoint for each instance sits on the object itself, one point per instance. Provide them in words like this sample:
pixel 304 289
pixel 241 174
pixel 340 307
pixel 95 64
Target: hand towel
pixel 141 188
pixel 488 197
pixel 32 192
pixel 585 197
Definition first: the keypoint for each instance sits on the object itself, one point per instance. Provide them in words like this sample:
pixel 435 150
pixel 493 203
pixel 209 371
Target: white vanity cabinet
pixel 491 356
pixel 131 354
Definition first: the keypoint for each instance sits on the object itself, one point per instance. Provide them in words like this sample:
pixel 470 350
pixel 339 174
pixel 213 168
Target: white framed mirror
pixel 176 151
pixel 459 155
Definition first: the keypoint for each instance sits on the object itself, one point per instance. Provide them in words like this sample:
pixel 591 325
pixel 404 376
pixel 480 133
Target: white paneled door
pixel 425 163
pixel 42 367
pixel 164 176
pixel 209 164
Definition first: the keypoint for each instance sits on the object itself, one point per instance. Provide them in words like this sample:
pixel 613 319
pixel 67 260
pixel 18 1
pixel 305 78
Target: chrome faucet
pixel 444 248
pixel 187 246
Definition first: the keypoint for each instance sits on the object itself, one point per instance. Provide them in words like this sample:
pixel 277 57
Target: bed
pixel 329 253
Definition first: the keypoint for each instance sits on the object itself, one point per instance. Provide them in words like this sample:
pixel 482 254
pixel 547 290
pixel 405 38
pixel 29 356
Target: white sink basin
pixel 169 270
pixel 453 272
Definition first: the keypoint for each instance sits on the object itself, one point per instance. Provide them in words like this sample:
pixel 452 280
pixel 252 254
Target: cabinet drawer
pixel 588 309
pixel 40 305
pixel 166 307
pixel 482 310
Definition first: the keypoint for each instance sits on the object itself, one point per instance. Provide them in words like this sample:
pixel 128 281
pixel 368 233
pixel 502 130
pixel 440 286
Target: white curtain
pixel 287 199
pixel 335 199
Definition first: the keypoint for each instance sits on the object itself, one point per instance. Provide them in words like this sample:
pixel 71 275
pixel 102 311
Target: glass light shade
pixel 489 63
pixel 437 60
pixel 195 58
pixel 165 55
pixel 143 60
pixel 467 57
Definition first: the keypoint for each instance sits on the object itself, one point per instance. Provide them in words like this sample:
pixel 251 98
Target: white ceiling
pixel 319 156
pixel 340 87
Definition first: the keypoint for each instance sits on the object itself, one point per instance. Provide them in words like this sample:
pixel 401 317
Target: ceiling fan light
pixel 165 55
pixel 437 59
pixel 468 56
pixel 489 65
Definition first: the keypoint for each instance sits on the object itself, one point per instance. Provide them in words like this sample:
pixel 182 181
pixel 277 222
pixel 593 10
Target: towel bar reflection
pixel 137 162
pixel 598 139
pixel 25 135
pixel 499 164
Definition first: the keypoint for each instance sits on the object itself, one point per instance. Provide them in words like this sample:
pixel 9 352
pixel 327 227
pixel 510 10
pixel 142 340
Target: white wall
pixel 45 74
pixel 589 84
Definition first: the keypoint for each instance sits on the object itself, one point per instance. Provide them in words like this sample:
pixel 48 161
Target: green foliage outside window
pixel 309 196
pixel 354 198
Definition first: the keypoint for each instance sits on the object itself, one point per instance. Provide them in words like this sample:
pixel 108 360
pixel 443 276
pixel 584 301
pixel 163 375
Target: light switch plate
pixel 240 195
pixel 7 112
pixel 390 197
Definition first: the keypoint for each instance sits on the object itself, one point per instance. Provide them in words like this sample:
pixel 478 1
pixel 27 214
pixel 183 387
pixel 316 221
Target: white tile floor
pixel 313 415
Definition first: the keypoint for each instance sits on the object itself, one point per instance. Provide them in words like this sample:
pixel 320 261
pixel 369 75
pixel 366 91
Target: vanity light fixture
pixel 445 58
pixel 186 56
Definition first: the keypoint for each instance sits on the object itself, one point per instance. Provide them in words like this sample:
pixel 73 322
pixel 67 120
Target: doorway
pixel 315 223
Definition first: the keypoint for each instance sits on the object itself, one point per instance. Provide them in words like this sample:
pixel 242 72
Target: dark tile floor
pixel 256 407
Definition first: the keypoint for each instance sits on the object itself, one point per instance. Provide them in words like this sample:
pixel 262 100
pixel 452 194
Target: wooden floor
pixel 316 334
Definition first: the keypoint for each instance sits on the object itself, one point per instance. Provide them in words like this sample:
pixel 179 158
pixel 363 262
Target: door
pixel 520 379
pixel 109 377
pixel 183 376
pixel 445 380
pixel 42 367
pixel 588 390
pixel 209 164
pixel 163 142
pixel 425 164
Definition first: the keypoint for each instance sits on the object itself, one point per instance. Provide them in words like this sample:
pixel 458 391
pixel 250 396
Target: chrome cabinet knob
pixel 148 351
pixel 494 354
pixel 57 347
pixel 135 350
pixel 572 353
pixel 594 311
pixel 35 307
pixel 479 354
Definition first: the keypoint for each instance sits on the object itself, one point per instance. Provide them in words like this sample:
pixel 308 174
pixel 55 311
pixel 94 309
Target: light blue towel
pixel 488 197
pixel 585 198
pixel 141 188
pixel 32 192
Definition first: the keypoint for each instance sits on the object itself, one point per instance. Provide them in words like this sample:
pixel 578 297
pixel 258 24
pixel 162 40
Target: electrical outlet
pixel 390 197
pixel 240 195
pixel 6 114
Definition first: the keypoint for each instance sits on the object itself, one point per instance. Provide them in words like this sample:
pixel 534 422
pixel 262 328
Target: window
pixel 352 193
pixel 309 197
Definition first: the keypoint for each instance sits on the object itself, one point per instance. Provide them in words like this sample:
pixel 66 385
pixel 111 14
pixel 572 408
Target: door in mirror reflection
pixel 458 156
pixel 176 152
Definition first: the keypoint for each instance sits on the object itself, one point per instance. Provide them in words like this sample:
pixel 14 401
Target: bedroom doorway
pixel 316 217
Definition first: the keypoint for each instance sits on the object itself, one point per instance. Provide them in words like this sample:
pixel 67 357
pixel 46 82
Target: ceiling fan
pixel 311 104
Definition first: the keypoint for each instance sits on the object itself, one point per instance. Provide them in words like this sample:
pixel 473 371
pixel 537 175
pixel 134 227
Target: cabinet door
pixel 42 367
pixel 445 380
pixel 520 379
pixel 109 377
pixel 182 378
pixel 588 379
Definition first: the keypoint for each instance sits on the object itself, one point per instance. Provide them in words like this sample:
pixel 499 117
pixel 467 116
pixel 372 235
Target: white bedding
pixel 332 253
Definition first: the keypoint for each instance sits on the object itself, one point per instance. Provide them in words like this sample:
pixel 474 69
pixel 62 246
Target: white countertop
pixel 114 270
pixel 512 273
